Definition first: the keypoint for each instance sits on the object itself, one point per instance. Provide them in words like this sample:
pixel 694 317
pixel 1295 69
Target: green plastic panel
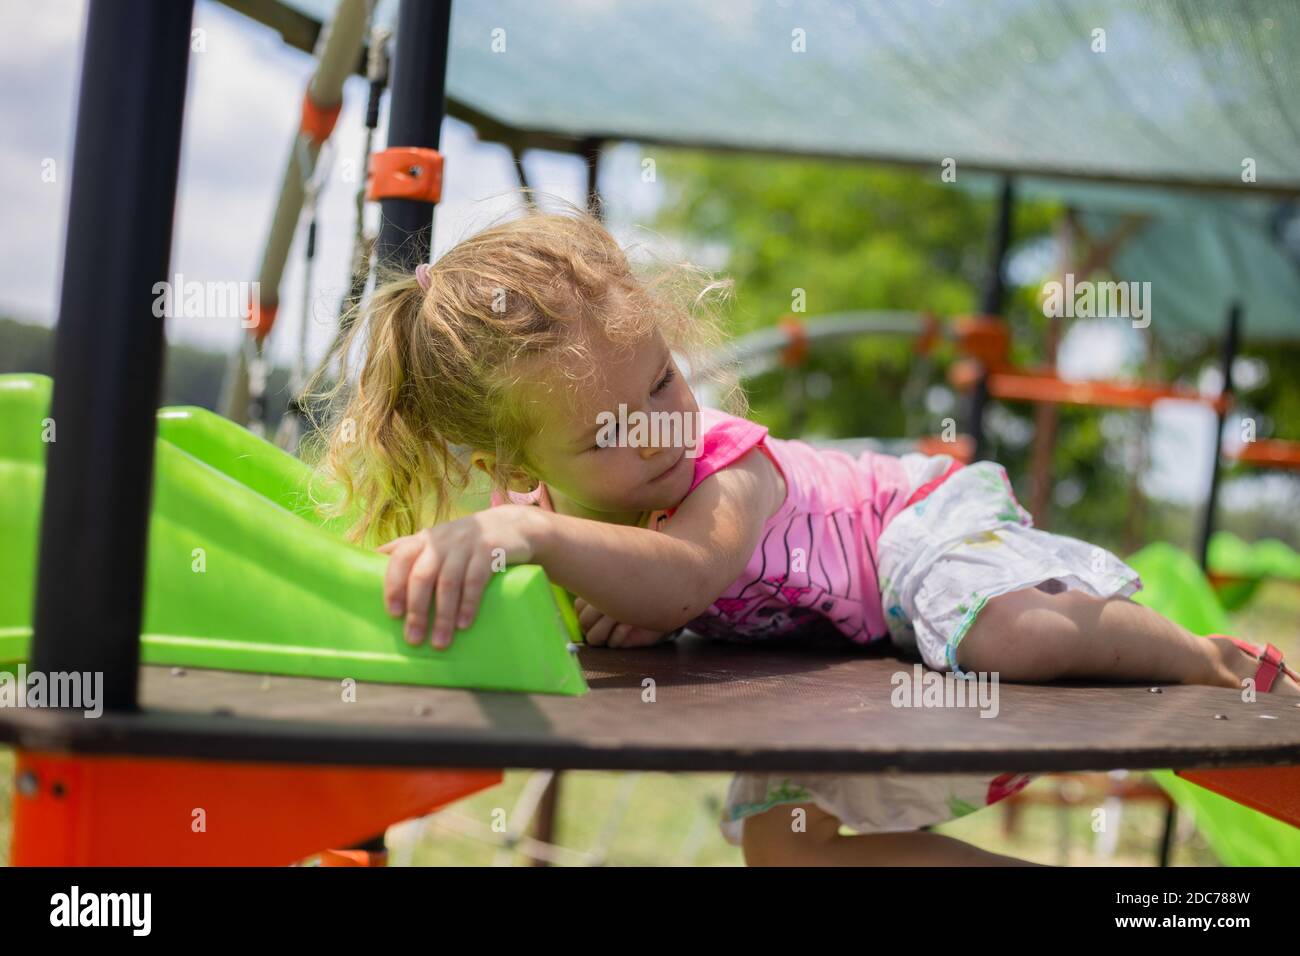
pixel 1174 585
pixel 242 575
pixel 1250 563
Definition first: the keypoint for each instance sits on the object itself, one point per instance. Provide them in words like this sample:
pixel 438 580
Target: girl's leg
pixel 1031 635
pixel 770 839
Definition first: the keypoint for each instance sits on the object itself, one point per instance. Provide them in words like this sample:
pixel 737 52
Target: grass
pixel 672 819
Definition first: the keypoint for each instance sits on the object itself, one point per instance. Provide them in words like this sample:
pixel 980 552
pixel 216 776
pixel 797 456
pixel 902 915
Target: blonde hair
pixel 439 368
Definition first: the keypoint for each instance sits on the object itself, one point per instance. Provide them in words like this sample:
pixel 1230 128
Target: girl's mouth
pixel 671 468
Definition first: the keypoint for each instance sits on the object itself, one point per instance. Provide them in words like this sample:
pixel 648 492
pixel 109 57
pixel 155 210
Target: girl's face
pixel 595 469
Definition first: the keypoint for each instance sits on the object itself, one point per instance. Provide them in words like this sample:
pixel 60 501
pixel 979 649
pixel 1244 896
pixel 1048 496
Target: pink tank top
pixel 814 569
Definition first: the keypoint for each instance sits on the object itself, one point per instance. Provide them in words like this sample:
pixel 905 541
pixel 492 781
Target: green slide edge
pixel 1174 585
pixel 242 575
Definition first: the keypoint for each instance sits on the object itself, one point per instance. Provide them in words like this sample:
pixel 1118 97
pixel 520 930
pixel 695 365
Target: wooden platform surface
pixel 715 707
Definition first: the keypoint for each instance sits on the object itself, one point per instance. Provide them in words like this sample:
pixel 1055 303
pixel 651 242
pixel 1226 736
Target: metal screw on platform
pixel 27 784
pixel 178 672
pixel 573 648
pixel 1220 716
pixel 1157 690
pixel 423 710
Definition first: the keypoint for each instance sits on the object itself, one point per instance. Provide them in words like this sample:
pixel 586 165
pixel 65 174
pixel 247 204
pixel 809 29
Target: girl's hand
pixel 602 630
pixel 455 560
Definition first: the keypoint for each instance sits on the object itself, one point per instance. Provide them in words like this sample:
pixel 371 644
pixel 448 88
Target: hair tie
pixel 422 275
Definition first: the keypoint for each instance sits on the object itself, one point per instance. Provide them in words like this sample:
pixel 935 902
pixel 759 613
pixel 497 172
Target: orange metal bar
pixel 132 811
pixel 1269 453
pixel 963 449
pixel 1271 790
pixel 1024 386
pixel 986 341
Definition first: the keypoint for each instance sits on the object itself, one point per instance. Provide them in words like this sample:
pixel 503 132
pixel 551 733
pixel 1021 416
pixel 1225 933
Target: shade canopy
pixel 1198 103
pixel 1156 91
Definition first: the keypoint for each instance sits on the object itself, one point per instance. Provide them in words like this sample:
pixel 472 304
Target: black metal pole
pixel 591 149
pixel 991 303
pixel 109 344
pixel 1230 340
pixel 416 105
pixel 994 283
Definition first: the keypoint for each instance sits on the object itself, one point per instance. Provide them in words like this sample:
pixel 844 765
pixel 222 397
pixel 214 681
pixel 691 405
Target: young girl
pixel 513 353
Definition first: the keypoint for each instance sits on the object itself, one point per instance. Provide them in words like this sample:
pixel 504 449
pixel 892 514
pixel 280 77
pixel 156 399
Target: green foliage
pixel 191 376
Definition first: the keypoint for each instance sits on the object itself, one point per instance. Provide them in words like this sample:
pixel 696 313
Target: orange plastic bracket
pixel 135 811
pixel 365 858
pixel 261 317
pixel 930 332
pixel 405 172
pixel 318 121
pixel 796 348
pixel 1271 790
pixel 983 337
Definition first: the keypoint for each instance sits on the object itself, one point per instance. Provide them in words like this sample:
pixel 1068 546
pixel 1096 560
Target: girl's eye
pixel 668 377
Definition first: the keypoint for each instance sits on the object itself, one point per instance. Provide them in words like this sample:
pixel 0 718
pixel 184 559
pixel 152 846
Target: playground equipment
pixel 338 51
pixel 280 765
pixel 1175 586
pixel 242 575
pixel 1173 583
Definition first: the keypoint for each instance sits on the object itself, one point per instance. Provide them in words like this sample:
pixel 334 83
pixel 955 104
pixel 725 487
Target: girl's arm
pixel 660 580
pixel 656 580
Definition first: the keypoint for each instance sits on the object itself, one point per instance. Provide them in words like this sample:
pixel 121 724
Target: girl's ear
pixel 520 481
pixel 516 479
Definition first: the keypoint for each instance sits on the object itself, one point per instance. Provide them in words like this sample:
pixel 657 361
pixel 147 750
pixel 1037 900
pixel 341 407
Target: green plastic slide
pixel 1173 584
pixel 1247 564
pixel 243 576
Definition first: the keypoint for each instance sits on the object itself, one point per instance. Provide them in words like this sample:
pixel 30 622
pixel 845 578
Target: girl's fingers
pixel 587 617
pixel 599 632
pixel 477 575
pixel 399 568
pixel 451 578
pixel 618 636
pixel 419 594
pixel 640 637
pixel 388 546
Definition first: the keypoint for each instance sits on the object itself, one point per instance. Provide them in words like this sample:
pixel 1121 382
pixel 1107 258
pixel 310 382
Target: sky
pixel 242 102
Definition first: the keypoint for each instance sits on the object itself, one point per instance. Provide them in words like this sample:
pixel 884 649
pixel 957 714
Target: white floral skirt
pixel 939 562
